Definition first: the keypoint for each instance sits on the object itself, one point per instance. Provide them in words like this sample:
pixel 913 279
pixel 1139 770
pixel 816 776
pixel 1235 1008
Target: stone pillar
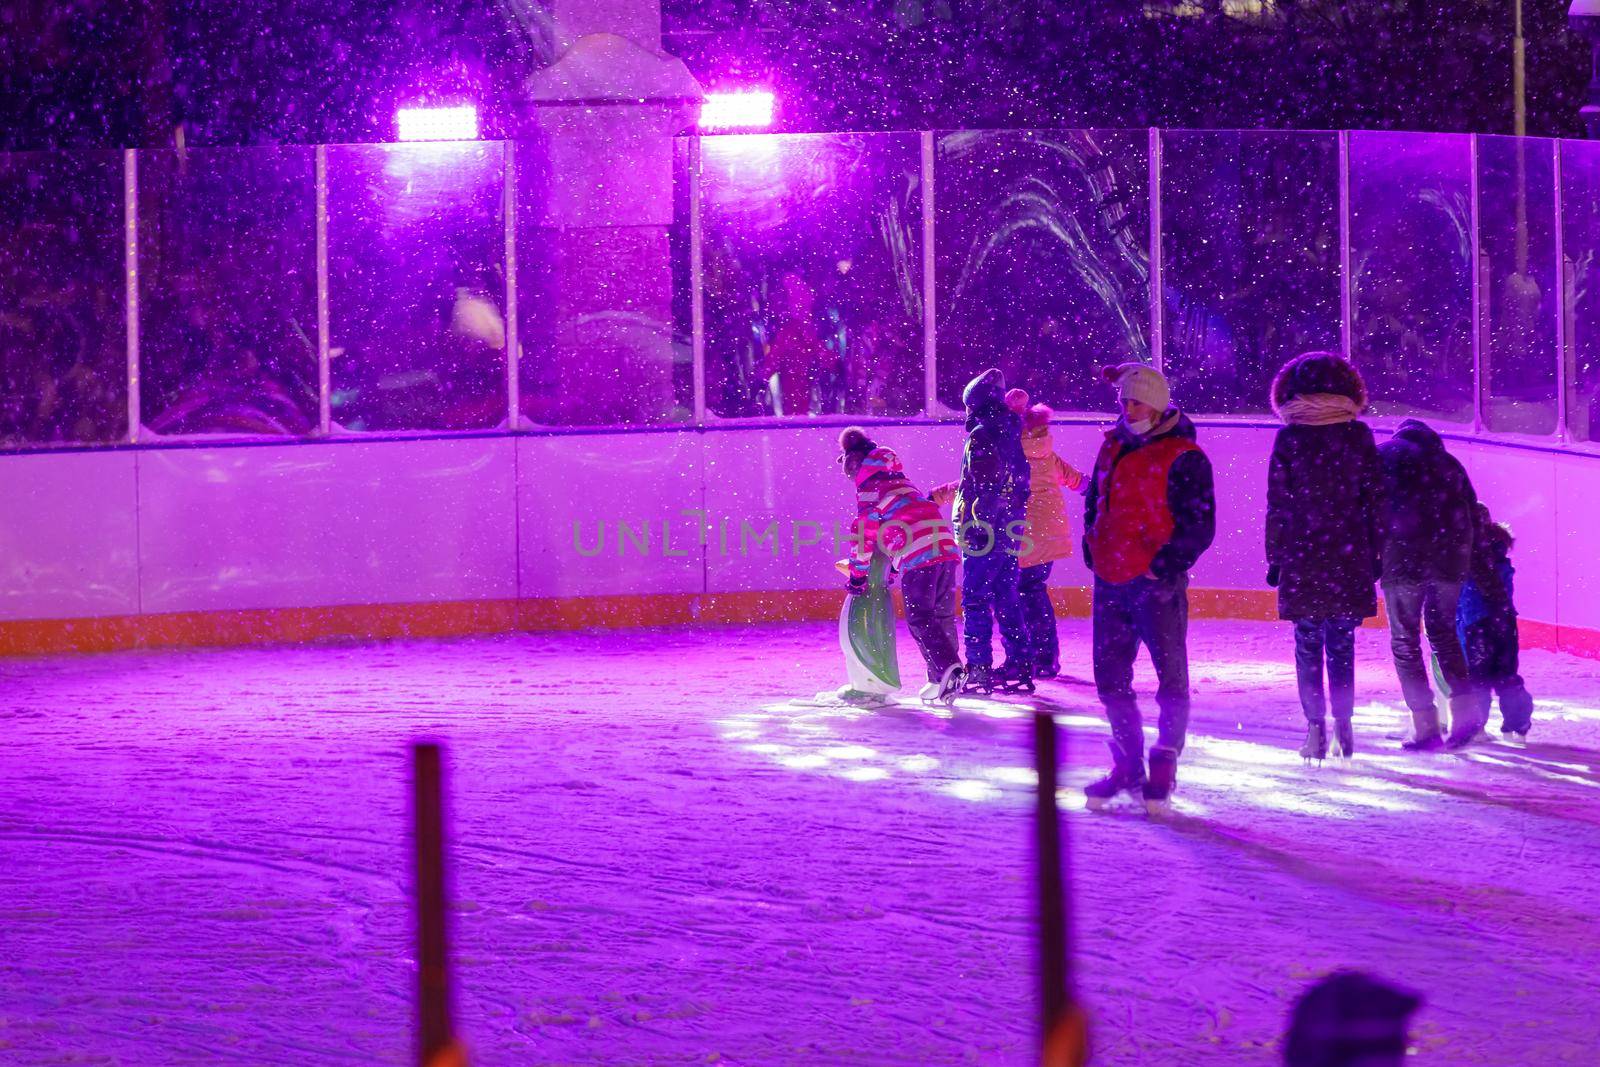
pixel 595 203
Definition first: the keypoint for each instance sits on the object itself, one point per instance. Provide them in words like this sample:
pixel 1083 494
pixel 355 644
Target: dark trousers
pixel 1413 605
pixel 1038 614
pixel 930 596
pixel 1154 613
pixel 989 592
pixel 1492 651
pixel 1335 641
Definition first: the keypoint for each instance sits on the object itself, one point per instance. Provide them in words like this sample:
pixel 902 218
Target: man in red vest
pixel 1150 513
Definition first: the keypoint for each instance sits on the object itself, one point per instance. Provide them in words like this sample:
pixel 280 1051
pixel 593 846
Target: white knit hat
pixel 1135 381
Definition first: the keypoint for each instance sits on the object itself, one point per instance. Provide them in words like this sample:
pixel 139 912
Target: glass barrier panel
pixel 1250 261
pixel 1411 271
pixel 1043 256
pixel 228 291
pixel 603 277
pixel 416 285
pixel 63 297
pixel 1580 238
pixel 1518 288
pixel 813 274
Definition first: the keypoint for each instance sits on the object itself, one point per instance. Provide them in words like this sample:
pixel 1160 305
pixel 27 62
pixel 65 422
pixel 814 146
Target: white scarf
pixel 1319 409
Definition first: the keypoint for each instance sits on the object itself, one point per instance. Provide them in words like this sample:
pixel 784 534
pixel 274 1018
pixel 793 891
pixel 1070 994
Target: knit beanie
pixel 1037 417
pixel 1017 400
pixel 854 443
pixel 1135 381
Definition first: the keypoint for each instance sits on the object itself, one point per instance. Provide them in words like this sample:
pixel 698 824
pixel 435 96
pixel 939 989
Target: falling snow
pixel 662 857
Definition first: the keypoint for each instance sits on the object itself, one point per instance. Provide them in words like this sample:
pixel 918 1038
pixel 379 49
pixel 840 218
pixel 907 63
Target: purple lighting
pixel 458 123
pixel 744 110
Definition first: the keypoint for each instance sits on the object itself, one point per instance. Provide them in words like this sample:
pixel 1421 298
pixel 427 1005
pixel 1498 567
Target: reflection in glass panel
pixel 1517 258
pixel 813 274
pixel 63 345
pixel 228 283
pixel 1411 271
pixel 1250 261
pixel 1580 216
pixel 603 282
pixel 416 285
pixel 1042 245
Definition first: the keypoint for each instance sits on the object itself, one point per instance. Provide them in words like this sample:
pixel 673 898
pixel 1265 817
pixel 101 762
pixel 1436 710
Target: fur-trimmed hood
pixel 1318 372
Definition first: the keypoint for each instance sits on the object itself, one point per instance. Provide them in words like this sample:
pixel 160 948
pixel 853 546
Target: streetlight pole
pixel 1519 75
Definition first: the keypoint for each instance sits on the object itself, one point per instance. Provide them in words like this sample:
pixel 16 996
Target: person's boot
pixel 1014 676
pixel 1425 735
pixel 1316 746
pixel 1125 777
pixel 1469 714
pixel 1344 737
pixel 980 679
pixel 1163 780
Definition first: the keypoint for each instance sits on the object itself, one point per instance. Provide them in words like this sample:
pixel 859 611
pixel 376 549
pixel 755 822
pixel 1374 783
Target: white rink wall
pixel 132 532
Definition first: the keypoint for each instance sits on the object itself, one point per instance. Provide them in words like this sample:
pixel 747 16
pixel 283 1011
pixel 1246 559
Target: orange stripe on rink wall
pixel 368 622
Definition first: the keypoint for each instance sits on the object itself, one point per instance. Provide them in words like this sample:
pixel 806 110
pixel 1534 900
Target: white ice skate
pixel 946 689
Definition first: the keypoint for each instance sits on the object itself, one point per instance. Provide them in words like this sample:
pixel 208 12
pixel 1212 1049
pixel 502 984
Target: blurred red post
pixel 435 1036
pixel 1063 1027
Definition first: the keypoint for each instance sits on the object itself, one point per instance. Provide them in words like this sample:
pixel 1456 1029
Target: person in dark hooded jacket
pixel 1428 518
pixel 991 502
pixel 1324 501
pixel 1150 512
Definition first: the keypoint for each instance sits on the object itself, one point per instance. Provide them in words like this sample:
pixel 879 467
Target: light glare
pixel 735 111
pixel 437 123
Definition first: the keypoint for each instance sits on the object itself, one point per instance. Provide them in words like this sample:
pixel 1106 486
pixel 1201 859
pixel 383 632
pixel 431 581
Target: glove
pixel 1273 574
pixel 856 586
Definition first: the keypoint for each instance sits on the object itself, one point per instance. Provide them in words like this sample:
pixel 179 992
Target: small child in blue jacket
pixel 1486 621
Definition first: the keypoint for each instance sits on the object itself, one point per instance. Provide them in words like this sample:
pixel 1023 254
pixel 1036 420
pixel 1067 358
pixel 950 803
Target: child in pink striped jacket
pixel 896 519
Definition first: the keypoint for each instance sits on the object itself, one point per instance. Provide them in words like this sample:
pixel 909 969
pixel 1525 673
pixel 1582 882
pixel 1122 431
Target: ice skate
pixel 1316 745
pixel 955 679
pixel 945 690
pixel 979 679
pixel 1344 739
pixel 1014 677
pixel 1099 794
pixel 1515 738
pixel 1460 740
pixel 1425 743
pixel 1163 781
pixel 1047 668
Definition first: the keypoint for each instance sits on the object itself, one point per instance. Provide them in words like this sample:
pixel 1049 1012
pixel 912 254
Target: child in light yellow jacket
pixel 1049 532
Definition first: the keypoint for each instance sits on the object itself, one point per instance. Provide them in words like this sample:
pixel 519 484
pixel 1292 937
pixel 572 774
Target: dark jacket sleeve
pixel 1192 497
pixel 1373 488
pixel 1279 503
pixel 1462 520
pixel 1091 503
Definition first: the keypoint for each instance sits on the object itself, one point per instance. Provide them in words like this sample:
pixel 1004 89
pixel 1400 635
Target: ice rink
pixel 662 858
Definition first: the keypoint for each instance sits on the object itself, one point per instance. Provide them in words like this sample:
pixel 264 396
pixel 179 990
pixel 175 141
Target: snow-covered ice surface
pixel 660 860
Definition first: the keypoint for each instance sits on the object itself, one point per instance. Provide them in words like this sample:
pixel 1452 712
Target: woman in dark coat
pixel 1323 541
